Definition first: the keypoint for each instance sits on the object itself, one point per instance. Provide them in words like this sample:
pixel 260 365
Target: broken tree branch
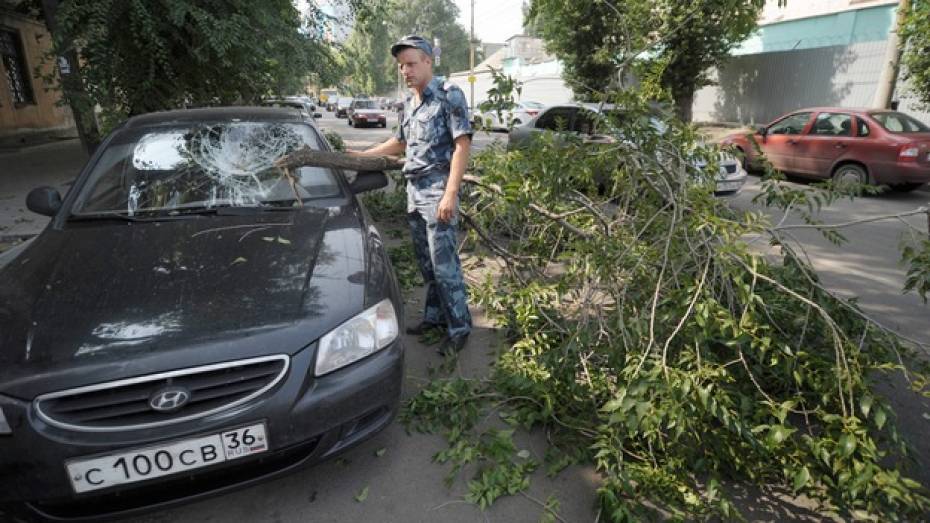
pixel 306 156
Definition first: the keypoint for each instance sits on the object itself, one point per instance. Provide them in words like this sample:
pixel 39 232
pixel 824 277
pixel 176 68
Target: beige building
pixel 28 109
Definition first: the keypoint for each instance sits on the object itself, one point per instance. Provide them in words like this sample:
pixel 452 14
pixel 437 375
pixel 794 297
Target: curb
pixel 14 238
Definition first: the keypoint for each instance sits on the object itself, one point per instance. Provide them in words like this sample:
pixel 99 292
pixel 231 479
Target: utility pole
pixel 71 86
pixel 889 77
pixel 471 60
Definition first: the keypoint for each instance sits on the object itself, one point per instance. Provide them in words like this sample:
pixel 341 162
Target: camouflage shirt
pixel 430 129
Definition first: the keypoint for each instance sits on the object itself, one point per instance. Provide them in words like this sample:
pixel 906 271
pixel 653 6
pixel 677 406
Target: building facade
pixel 805 54
pixel 28 108
pixel 526 60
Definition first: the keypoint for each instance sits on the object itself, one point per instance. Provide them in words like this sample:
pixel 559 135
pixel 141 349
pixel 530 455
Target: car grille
pixel 125 404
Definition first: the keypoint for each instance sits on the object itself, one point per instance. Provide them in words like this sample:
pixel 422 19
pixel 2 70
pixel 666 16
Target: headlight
pixel 4 426
pixel 358 337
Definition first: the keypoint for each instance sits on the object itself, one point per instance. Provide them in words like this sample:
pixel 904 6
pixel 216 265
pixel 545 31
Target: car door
pixel 827 138
pixel 781 138
pixel 555 119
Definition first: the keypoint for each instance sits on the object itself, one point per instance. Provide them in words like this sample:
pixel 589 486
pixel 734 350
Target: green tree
pixel 916 59
pixel 139 57
pixel 370 66
pixel 676 41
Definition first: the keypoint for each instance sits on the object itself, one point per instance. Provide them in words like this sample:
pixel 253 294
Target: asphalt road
pixel 405 485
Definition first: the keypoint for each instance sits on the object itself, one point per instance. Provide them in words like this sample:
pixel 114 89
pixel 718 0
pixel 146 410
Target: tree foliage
pixel 916 59
pixel 371 67
pixel 678 41
pixel 139 57
pixel 682 348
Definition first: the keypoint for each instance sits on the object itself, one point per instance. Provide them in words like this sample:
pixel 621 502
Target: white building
pixel 808 53
pixel 526 60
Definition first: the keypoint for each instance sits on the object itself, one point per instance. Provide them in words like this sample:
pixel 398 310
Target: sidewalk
pixel 53 164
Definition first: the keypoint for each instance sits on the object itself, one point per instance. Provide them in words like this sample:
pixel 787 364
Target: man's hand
pixel 446 208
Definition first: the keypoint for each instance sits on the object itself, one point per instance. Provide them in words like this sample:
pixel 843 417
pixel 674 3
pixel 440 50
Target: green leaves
pixel 681 40
pixel 657 346
pixel 138 57
pixel 916 34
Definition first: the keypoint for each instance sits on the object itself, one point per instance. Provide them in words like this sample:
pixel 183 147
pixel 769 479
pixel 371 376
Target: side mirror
pixel 368 181
pixel 44 200
pixel 763 130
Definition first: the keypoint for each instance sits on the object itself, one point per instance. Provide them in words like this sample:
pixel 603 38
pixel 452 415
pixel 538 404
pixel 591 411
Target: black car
pixel 294 103
pixel 192 320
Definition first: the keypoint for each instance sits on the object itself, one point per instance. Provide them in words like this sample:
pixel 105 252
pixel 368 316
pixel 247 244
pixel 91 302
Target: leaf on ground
pixel 523 454
pixel 284 241
pixel 380 452
pixel 362 496
pixel 238 260
pixel 268 238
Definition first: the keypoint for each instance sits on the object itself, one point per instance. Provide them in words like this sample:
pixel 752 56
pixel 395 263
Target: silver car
pixel 518 114
pixel 583 119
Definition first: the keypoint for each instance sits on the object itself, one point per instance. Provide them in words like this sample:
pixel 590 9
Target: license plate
pixel 372 118
pixel 166 459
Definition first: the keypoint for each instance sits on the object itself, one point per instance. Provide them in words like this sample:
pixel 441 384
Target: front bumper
pixel 308 420
pixel 731 183
pixel 362 120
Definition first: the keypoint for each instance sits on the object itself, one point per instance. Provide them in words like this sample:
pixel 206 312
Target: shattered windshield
pixel 203 166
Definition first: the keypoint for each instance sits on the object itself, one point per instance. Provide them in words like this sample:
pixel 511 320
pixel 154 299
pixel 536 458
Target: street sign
pixel 471 78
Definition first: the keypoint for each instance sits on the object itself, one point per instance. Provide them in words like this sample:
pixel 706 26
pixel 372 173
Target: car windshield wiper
pixel 235 211
pixel 115 217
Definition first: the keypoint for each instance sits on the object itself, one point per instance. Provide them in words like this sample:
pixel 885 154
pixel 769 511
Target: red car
pixel 861 145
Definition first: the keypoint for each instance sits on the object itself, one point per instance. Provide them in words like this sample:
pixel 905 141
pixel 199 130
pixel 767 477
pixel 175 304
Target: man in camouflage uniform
pixel 435 133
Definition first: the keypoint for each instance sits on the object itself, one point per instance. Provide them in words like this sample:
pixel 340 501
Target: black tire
pixel 851 173
pixel 904 187
pixel 743 159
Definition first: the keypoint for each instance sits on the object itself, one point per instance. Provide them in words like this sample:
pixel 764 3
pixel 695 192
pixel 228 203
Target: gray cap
pixel 417 42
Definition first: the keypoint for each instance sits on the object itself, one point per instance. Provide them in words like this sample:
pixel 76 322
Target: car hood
pixel 104 300
pixel 368 111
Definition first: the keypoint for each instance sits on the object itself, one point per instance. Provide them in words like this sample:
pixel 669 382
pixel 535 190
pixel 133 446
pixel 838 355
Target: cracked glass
pixel 230 164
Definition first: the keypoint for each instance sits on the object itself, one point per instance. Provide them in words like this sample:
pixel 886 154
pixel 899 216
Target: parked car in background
pixel 584 120
pixel 328 98
pixel 858 145
pixel 518 114
pixel 366 112
pixel 307 108
pixel 342 106
pixel 192 320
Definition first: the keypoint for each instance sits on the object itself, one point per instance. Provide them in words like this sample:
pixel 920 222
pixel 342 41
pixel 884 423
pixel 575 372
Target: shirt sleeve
pixel 399 131
pixel 457 116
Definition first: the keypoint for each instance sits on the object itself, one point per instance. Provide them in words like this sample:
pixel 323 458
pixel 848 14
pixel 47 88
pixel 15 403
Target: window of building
pixel 14 65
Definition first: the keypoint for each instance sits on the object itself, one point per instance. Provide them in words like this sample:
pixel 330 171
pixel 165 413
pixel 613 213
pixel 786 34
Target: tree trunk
pixel 889 76
pixel 71 85
pixel 684 104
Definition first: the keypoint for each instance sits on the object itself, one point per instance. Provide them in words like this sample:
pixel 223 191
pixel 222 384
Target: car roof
pixel 217 114
pixel 855 110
